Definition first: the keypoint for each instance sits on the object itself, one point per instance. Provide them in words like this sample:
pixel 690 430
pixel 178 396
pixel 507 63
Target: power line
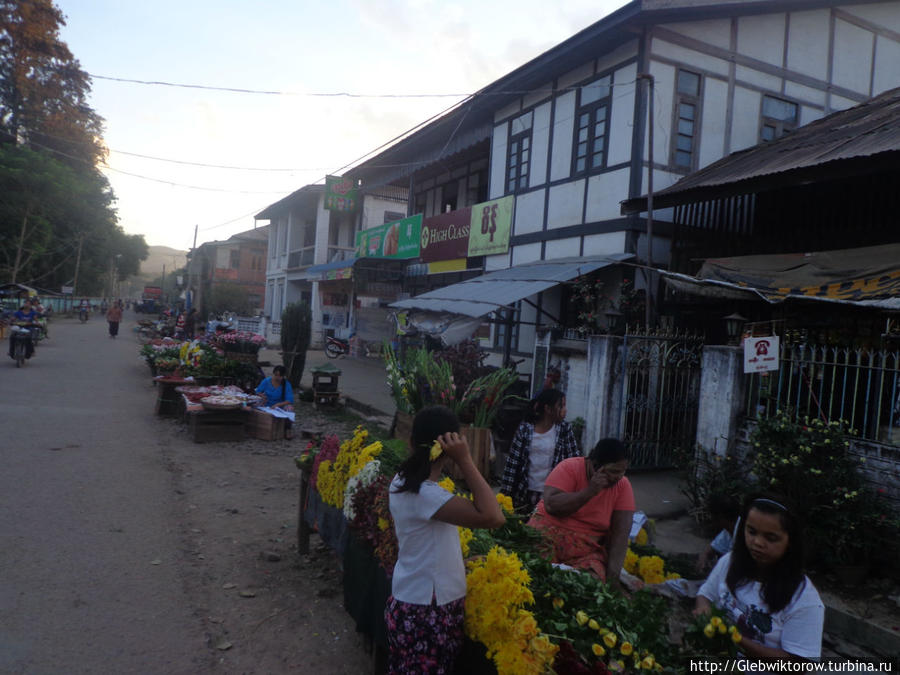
pixel 265 92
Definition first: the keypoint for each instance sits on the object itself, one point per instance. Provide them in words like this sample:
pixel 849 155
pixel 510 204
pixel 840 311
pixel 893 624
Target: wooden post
pixel 302 526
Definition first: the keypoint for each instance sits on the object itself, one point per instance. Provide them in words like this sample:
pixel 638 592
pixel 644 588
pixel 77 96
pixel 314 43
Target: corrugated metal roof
pixel 489 292
pixel 284 204
pixel 865 130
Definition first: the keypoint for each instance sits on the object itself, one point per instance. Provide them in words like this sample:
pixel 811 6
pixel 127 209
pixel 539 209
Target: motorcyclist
pixel 84 309
pixel 25 317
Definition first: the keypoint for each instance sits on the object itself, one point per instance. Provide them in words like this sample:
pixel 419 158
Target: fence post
pixel 603 389
pixel 721 397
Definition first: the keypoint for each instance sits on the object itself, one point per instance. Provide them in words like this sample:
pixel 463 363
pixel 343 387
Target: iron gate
pixel 660 396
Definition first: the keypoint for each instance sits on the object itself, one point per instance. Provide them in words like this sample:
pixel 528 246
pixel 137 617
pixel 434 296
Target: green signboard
pixel 490 226
pixel 340 194
pixel 399 239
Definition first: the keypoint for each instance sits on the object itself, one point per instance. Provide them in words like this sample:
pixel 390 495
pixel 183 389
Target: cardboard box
pixel 265 427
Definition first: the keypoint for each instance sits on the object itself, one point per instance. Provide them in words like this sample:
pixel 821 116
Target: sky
pixel 274 144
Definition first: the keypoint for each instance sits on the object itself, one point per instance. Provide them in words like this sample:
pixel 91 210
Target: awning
pixel 17 290
pixel 338 269
pixel 869 277
pixel 489 292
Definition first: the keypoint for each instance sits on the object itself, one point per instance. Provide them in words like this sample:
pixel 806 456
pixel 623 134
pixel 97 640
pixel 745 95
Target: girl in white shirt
pixel 425 612
pixel 761 585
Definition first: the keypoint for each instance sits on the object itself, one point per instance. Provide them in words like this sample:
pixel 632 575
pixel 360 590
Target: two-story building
pixel 568 134
pixel 312 251
pixel 238 262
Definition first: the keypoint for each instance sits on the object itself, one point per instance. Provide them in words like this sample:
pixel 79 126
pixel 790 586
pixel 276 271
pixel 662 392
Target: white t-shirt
pixel 540 458
pixel 429 557
pixel 796 629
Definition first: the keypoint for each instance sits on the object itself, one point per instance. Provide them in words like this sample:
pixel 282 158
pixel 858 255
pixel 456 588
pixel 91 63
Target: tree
pixel 228 297
pixel 43 90
pixel 57 217
pixel 33 189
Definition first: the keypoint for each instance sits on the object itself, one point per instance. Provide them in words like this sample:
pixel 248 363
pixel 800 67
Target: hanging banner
pixel 399 239
pixel 491 224
pixel 445 236
pixel 761 354
pixel 340 194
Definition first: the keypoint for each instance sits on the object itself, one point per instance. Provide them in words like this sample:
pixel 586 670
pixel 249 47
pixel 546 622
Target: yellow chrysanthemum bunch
pixel 505 502
pixel 447 483
pixel 650 568
pixel 631 562
pixel 465 536
pixel 353 456
pixel 497 591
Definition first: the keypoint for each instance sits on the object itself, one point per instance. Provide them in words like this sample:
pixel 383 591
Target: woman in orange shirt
pixel 587 510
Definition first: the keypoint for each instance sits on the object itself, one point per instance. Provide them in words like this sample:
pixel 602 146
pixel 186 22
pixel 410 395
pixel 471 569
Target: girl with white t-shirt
pixel 541 442
pixel 760 584
pixel 425 612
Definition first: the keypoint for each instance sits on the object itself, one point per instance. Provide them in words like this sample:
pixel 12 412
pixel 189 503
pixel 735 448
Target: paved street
pixel 88 581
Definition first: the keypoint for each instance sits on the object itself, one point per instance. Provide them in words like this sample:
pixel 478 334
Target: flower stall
pixel 202 383
pixel 523 614
pixel 422 378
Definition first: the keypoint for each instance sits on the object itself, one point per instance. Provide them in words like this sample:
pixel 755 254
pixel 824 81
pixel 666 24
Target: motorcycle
pixel 335 347
pixel 83 314
pixel 21 344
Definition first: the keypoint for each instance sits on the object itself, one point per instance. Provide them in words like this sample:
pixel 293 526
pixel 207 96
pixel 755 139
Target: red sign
pixel 445 236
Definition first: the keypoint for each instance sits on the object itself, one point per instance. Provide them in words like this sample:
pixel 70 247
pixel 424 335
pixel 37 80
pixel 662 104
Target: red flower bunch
pixel 373 521
pixel 331 445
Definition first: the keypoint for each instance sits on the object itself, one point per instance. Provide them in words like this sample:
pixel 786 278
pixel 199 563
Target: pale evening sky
pixel 356 46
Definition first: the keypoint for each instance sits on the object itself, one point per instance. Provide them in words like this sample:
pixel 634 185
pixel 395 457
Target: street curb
pixel 862 633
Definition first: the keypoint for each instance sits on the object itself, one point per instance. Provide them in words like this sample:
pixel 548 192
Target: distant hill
pixel 159 256
pixel 152 268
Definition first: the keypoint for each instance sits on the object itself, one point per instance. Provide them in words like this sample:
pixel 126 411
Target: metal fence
pixel 661 396
pixel 859 386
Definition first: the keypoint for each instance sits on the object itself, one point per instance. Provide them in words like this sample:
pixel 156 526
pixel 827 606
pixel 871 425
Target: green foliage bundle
pixel 296 330
pixel 422 379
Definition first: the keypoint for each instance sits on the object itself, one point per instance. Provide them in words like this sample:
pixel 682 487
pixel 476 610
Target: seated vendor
pixel 587 510
pixel 761 587
pixel 277 393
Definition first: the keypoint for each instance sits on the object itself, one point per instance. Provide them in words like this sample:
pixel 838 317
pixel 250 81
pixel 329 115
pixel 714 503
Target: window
pixel 592 125
pixel 519 154
pixel 235 258
pixel 500 331
pixel 778 118
pixel 687 108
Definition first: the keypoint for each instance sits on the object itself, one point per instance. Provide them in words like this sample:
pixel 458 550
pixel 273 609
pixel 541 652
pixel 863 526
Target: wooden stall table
pixel 207 426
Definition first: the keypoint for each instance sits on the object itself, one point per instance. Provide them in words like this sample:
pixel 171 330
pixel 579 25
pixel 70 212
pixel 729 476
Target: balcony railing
pixel 336 253
pixel 302 258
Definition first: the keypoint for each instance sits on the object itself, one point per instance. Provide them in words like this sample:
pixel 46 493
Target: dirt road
pixel 127 548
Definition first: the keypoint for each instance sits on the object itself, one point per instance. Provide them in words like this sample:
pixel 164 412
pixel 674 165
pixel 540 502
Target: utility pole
pixel 190 293
pixel 648 274
pixel 77 264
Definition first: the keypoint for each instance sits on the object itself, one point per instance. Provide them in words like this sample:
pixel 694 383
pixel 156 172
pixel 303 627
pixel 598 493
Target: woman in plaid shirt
pixel 541 442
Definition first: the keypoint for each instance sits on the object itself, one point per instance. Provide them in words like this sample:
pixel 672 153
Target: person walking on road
pixel 114 316
pixel 190 323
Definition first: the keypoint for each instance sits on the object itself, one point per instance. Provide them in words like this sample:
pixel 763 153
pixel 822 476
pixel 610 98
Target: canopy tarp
pixel 868 276
pixel 487 293
pixel 17 290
